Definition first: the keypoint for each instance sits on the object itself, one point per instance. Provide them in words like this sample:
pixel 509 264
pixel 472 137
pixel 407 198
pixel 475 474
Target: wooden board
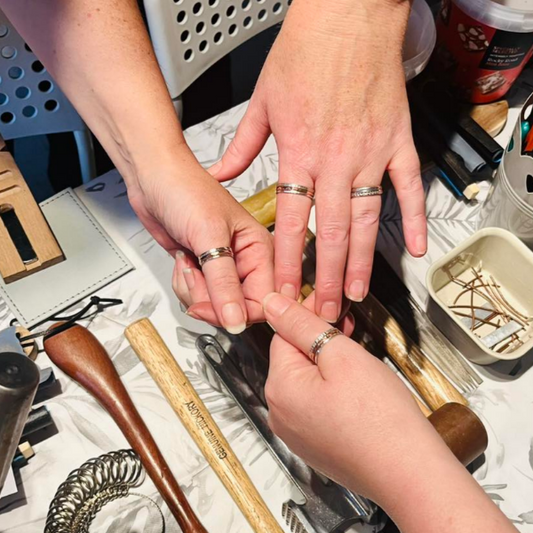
pixel 15 194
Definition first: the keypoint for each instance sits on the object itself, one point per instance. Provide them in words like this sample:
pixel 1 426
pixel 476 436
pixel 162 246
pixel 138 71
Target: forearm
pixel 100 54
pixel 431 492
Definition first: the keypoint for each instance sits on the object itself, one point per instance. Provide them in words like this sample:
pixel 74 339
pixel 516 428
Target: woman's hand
pixel 332 92
pixel 188 216
pixel 351 418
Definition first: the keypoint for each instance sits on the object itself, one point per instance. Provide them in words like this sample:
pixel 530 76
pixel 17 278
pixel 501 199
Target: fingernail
pixel 233 316
pixel 356 292
pixel 192 314
pixel 329 311
pixel 289 290
pixel 180 255
pixel 421 245
pixel 276 304
pixel 215 168
pixel 188 274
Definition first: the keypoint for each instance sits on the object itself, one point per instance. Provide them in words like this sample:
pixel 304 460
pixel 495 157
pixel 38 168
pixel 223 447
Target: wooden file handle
pixel 77 352
pixel 176 387
pixel 426 378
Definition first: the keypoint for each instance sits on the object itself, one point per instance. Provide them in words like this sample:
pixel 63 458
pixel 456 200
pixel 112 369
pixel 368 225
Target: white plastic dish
pixel 505 257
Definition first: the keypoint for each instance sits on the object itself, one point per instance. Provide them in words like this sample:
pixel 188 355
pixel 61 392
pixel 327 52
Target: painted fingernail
pixel 188 274
pixel 329 312
pixel 289 290
pixel 276 304
pixel 215 169
pixel 356 292
pixel 421 245
pixel 233 316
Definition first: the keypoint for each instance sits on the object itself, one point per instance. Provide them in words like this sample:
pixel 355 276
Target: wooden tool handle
pixel 425 377
pixel 77 352
pixel 165 371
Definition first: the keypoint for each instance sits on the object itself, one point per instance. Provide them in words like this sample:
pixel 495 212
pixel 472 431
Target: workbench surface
pixel 84 430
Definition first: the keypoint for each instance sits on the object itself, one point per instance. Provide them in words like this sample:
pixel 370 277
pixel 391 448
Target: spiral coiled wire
pixel 88 488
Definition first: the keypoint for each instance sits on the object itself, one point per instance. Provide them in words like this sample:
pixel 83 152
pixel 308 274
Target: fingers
pixel 333 226
pixel 292 217
pixel 251 136
pixel 404 172
pixel 364 227
pixel 294 323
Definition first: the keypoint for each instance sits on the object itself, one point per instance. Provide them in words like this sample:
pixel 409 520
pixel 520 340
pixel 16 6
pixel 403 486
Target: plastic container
pixel 509 203
pixel 420 39
pixel 499 254
pixel 483 45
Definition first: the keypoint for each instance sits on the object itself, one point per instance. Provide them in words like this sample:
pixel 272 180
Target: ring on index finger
pixel 295 188
pixel 321 341
pixel 214 253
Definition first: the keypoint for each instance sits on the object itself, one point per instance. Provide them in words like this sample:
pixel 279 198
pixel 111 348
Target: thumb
pixel 251 136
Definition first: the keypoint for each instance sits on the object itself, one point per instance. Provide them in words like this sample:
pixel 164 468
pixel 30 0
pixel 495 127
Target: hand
pixel 351 418
pixel 190 216
pixel 332 92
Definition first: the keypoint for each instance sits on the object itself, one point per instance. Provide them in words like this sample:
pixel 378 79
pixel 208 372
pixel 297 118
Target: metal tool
pixel 19 379
pixel 328 507
pixel 91 486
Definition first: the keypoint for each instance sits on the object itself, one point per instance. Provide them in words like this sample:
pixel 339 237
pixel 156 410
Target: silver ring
pixel 321 341
pixel 214 253
pixel 361 192
pixel 294 188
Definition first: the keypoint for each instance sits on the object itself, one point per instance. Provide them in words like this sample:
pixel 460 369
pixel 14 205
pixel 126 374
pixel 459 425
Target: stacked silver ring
pixel 214 253
pixel 321 341
pixel 295 188
pixel 361 192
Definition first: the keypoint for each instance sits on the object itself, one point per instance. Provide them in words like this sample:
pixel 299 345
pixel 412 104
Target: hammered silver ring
pixel 295 188
pixel 361 192
pixel 321 341
pixel 214 253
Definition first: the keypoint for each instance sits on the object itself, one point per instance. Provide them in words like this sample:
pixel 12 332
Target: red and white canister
pixel 483 45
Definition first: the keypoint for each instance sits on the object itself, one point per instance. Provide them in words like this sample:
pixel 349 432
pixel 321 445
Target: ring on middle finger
pixel 295 188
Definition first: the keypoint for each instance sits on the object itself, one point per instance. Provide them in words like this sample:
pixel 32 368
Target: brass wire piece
pixel 215 253
pixel 361 192
pixel 321 341
pixel 87 489
pixel 295 188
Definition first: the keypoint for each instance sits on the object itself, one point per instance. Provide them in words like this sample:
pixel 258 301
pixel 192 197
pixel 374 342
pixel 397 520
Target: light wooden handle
pixel 174 384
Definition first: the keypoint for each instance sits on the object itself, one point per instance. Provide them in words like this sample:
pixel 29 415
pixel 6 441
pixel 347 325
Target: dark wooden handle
pixel 77 352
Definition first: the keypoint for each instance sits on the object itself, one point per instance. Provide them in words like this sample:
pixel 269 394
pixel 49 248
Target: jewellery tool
pixel 180 394
pixel 77 352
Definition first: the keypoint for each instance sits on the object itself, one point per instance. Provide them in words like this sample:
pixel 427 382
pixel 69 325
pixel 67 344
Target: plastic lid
pixel 509 15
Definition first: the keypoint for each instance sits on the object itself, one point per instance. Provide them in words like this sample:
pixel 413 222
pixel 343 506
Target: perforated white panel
pixel 30 101
pixel 191 35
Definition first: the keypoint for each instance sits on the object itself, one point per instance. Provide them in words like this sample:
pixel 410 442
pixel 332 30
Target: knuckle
pixel 273 395
pixel 412 183
pixel 288 268
pixel 291 224
pixel 365 217
pixel 331 286
pixel 333 232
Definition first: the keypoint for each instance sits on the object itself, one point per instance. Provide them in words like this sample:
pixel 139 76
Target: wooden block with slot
pixel 17 201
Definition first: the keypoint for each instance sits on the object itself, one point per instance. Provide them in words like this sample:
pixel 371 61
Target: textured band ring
pixel 294 188
pixel 214 253
pixel 361 192
pixel 321 341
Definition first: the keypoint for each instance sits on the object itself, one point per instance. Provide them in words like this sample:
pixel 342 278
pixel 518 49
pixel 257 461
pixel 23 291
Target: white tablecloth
pixel 504 402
